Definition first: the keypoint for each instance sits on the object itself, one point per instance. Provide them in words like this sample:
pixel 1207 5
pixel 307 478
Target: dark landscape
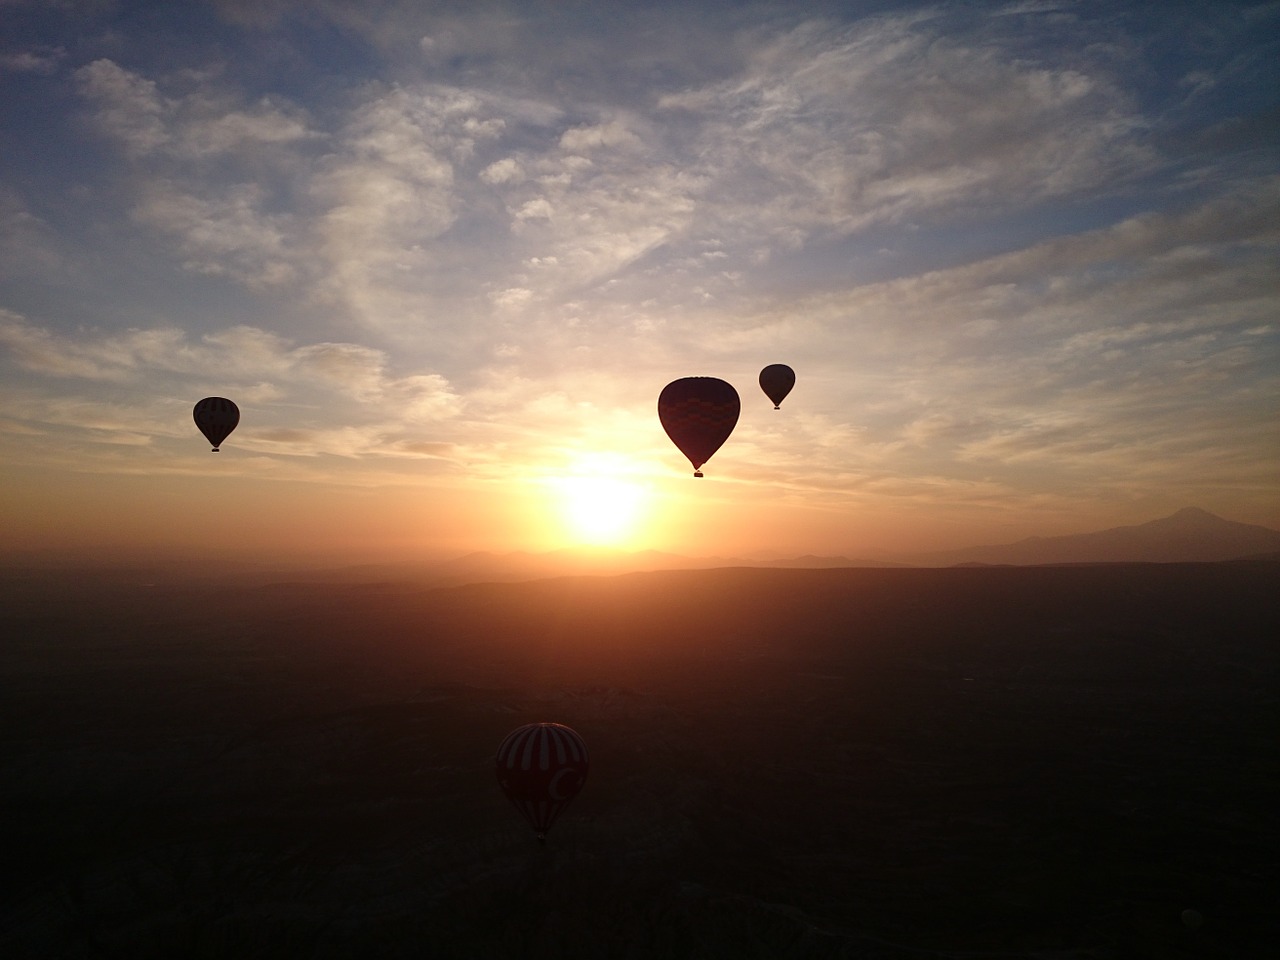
pixel 1071 761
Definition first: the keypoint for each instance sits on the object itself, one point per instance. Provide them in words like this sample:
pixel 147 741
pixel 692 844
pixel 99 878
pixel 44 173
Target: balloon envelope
pixel 541 767
pixel 216 417
pixel 776 380
pixel 698 414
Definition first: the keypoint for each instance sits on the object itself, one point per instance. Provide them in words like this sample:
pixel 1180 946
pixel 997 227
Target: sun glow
pixel 600 510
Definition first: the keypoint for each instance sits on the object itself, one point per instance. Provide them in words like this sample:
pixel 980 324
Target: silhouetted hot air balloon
pixel 216 417
pixel 698 414
pixel 541 768
pixel 776 380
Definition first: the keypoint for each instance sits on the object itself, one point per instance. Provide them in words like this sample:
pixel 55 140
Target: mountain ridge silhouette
pixel 1189 535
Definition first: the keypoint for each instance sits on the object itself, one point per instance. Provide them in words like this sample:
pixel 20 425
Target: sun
pixel 600 510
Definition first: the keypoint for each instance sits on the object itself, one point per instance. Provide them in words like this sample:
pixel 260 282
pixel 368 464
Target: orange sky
pixel 224 513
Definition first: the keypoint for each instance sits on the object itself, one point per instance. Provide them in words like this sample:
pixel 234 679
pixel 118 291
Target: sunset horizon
pixel 1189 535
pixel 444 260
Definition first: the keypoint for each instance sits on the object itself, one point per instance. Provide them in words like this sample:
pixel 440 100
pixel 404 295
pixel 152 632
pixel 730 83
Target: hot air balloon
pixel 216 417
pixel 541 767
pixel 698 414
pixel 776 380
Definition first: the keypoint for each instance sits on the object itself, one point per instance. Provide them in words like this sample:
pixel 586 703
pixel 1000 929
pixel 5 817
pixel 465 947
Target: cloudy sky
pixel 1023 258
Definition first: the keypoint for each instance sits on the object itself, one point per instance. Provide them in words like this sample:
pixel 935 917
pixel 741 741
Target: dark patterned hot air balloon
pixel 698 414
pixel 776 380
pixel 541 767
pixel 216 417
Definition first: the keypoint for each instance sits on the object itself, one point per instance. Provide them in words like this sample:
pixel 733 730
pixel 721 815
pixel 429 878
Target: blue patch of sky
pixel 304 57
pixel 131 284
pixel 1209 61
pixel 156 37
pixel 308 60
pixel 890 251
pixel 40 150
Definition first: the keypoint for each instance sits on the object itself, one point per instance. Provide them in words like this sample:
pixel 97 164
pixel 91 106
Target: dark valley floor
pixel 1070 762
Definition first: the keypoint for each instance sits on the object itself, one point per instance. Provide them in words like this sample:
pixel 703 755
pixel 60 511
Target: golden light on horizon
pixel 600 510
pixel 599 502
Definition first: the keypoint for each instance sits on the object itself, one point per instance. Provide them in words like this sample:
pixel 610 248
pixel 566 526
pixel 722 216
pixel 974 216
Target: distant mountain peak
pixel 1194 513
pixel 1189 535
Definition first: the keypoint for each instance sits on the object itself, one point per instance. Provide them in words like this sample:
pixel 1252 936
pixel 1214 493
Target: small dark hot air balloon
pixel 216 417
pixel 698 414
pixel 776 380
pixel 541 767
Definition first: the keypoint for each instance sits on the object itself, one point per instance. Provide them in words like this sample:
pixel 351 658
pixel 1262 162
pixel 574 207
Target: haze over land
pixel 444 257
pixel 1191 535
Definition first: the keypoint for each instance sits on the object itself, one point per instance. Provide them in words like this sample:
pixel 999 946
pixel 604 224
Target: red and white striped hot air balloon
pixel 541 767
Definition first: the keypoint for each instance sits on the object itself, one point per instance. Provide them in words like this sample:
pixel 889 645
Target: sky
pixel 1024 259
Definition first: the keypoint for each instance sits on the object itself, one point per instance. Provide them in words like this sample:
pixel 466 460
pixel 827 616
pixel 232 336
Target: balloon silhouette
pixel 541 767
pixel 216 417
pixel 776 380
pixel 698 414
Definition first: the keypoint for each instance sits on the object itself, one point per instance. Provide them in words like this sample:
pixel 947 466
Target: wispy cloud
pixel 836 129
pixel 163 372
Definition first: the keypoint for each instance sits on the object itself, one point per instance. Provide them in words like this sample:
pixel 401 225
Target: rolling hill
pixel 1191 535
